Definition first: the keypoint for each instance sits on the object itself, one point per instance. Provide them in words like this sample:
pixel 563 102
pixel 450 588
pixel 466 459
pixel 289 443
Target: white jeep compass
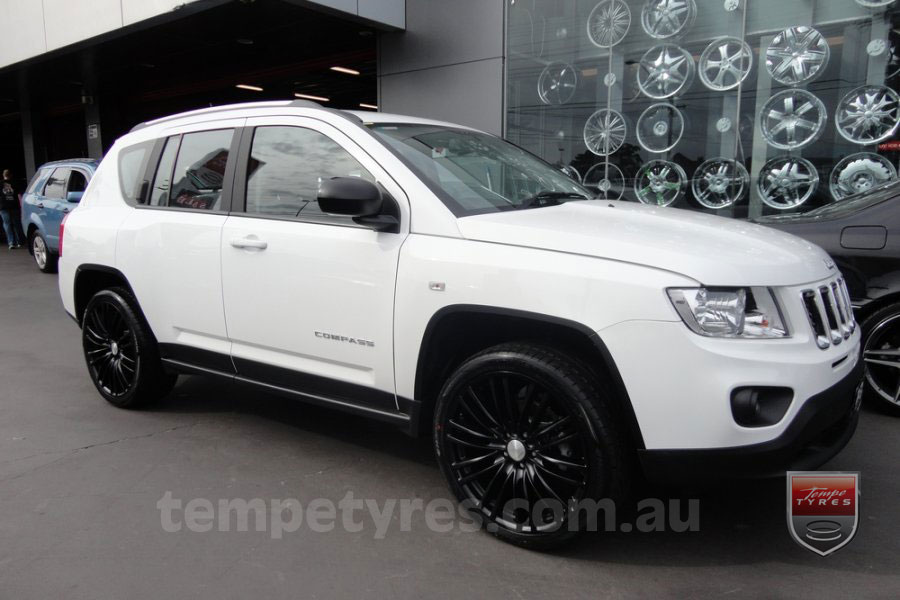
pixel 442 279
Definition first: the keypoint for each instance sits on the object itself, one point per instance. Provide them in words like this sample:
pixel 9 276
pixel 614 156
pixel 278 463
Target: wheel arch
pixel 90 279
pixel 458 331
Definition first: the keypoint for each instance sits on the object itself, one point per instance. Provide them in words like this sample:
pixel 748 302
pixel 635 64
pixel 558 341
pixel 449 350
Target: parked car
pixel 445 280
pixel 53 192
pixel 862 234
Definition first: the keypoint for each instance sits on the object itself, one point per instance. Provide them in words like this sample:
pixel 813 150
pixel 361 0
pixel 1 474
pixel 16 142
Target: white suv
pixel 442 279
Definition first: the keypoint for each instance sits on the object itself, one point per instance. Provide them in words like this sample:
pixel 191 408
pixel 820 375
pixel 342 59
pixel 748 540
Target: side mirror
pixel 349 197
pixel 74 196
pixel 360 199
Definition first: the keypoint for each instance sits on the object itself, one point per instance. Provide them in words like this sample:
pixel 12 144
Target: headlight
pixel 730 312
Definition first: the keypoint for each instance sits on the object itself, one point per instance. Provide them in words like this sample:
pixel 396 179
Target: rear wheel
pixel 522 434
pixel 120 350
pixel 43 257
pixel 881 354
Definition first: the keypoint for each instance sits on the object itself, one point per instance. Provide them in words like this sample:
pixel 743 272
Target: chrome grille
pixel 830 313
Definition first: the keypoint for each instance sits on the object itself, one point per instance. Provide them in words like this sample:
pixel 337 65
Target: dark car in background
pixel 54 191
pixel 862 234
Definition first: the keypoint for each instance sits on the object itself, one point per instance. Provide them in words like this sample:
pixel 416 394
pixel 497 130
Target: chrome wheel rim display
pixel 663 19
pixel 660 183
pixel 664 71
pixel 608 23
pixel 796 55
pixel 786 182
pixel 792 119
pixel 571 172
pixel 725 63
pixel 604 131
pixel 859 173
pixel 557 83
pixel 882 359
pixel 607 179
pixel 719 183
pixel 868 114
pixel 660 127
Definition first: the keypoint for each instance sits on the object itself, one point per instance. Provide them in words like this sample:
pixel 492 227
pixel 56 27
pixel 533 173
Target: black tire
pixel 881 355
pixel 45 260
pixel 121 352
pixel 569 448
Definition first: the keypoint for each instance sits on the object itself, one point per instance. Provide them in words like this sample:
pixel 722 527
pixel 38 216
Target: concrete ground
pixel 80 481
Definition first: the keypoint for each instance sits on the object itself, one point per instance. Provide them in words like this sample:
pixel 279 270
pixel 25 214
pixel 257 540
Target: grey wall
pixel 448 64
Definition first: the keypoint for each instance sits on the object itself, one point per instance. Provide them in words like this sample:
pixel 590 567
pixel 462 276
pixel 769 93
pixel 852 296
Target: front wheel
pixel 523 434
pixel 120 350
pixel 43 257
pixel 881 354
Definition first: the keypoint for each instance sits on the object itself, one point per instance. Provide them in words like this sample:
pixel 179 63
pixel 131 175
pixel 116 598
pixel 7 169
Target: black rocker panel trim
pixel 617 381
pixel 197 357
pixel 315 384
pixel 312 389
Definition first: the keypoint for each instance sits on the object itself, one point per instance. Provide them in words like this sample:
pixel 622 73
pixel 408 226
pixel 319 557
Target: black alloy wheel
pixel 516 433
pixel 121 353
pixel 881 355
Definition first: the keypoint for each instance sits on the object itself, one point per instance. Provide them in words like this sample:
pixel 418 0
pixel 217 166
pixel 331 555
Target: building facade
pixel 736 107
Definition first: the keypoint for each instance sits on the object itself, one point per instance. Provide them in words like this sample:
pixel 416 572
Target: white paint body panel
pixel 604 266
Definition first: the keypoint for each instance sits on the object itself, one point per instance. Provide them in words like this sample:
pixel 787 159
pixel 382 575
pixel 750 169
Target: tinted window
pixel 56 185
pixel 132 162
pixel 200 170
pixel 77 181
pixel 286 166
pixel 162 183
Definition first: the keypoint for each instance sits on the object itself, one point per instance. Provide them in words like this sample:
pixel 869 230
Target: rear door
pixel 169 247
pixel 50 203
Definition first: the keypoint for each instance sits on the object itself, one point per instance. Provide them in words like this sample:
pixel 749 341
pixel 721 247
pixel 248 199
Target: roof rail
pixel 228 108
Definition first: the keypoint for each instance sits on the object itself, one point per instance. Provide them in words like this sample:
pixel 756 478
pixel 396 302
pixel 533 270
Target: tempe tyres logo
pixel 823 509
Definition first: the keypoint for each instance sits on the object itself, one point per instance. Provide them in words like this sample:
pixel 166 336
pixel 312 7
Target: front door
pixel 309 297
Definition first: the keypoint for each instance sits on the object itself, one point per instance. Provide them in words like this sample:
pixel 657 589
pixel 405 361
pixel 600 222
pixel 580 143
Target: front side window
pixel 56 185
pixel 37 180
pixel 200 170
pixel 286 166
pixel 478 173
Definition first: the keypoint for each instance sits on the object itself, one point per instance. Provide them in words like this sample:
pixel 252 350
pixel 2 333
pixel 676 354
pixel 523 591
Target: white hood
pixel 712 250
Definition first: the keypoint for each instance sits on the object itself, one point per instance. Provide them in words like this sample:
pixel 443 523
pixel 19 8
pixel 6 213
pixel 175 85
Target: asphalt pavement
pixel 82 483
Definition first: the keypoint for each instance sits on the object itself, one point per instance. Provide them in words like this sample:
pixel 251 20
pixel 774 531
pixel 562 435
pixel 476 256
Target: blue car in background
pixel 54 190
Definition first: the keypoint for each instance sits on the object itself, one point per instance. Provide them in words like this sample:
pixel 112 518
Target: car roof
pixel 268 108
pixel 87 162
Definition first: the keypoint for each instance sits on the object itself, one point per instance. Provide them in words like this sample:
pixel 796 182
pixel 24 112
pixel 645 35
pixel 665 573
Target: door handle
pixel 65 210
pixel 40 205
pixel 247 242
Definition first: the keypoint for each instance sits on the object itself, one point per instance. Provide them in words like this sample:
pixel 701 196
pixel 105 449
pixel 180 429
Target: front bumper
pixel 818 431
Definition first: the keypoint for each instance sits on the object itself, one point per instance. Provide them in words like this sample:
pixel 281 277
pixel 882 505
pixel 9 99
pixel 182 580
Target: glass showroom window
pixel 740 107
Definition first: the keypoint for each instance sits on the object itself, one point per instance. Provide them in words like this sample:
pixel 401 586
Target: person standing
pixel 11 211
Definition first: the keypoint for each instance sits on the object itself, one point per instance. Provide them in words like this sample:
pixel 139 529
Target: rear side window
pixel 56 185
pixel 200 170
pixel 77 181
pixel 132 164
pixel 37 180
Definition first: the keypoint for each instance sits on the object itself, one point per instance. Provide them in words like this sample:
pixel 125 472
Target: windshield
pixel 858 202
pixel 475 173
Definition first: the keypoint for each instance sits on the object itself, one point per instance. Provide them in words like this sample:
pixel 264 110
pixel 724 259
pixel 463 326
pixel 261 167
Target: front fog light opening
pixel 730 312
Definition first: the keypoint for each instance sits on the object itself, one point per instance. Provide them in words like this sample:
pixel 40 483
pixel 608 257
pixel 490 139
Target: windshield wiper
pixel 548 198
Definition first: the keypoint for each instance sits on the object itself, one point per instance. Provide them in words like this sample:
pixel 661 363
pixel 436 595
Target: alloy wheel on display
pixel 608 23
pixel 660 183
pixel 786 182
pixel 607 179
pixel 725 63
pixel 665 71
pixel 663 19
pixel 797 55
pixel 512 443
pixel 604 131
pixel 882 359
pixel 792 119
pixel 719 183
pixel 868 115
